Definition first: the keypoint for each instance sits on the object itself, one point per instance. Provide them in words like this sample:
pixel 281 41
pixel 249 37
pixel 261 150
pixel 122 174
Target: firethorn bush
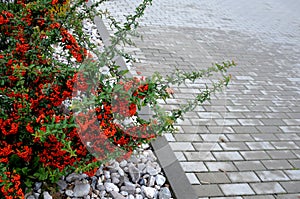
pixel 60 112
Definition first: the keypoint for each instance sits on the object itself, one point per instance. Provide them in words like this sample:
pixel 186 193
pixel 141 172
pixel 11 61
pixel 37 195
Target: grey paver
pixel 275 175
pixel 182 146
pixel 264 137
pixel 199 156
pixel 249 165
pixel 192 178
pixel 234 146
pixel 260 197
pixel 281 154
pixel 193 166
pixel 277 164
pixel 260 145
pixel 269 129
pixel 220 166
pixel 248 176
pixel 236 189
pixel 255 155
pixel 187 137
pixel 285 145
pixel 213 177
pixel 227 155
pixel 208 190
pixel 267 187
pixel 239 137
pixel 207 146
pixel 291 187
pixel 295 163
pixel 293 174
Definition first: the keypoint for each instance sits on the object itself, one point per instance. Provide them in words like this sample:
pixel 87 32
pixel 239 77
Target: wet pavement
pixel 245 142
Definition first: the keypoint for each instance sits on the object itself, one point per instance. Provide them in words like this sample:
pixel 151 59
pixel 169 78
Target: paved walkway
pixel 245 143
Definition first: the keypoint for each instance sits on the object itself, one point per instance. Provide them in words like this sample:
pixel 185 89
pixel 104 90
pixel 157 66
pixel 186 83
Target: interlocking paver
pixel 236 189
pixel 267 187
pixel 207 146
pixel 295 163
pixel 255 155
pixel 187 137
pixel 249 165
pixel 285 145
pixel 293 174
pixel 193 166
pixel 208 190
pixel 260 145
pixel 275 175
pixel 220 166
pixel 182 146
pixel 192 178
pixel 282 154
pixel 248 176
pixel 213 178
pixel 234 146
pixel 291 187
pixel 264 137
pixel 227 155
pixel 196 156
pixel 277 164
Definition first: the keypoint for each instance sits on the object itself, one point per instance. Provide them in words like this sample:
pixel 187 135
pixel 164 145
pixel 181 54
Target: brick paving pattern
pixel 245 142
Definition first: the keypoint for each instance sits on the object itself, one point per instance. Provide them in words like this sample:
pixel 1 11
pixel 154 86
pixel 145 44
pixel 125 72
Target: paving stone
pixel 260 197
pixel 277 164
pixel 270 122
pixel 292 122
pixel 259 145
pixel 264 137
pixel 249 165
pixel 297 153
pixel 187 137
pixel 200 146
pixel 227 155
pixel 282 154
pixel 238 108
pixel 169 137
pixel 287 196
pixel 213 137
pixel 220 129
pixel 180 156
pixel 207 190
pixel 199 156
pixel 245 129
pixel 272 175
pixel 234 146
pixel 193 166
pixel 285 145
pixel 255 155
pixel 293 174
pixel 236 189
pixel 212 178
pixel 250 122
pixel 200 122
pixel 181 146
pixel 290 136
pixel 249 176
pixel 239 137
pixel 291 187
pixel 295 163
pixel 195 129
pixel 227 122
pixel 269 129
pixel 267 188
pixel 192 178
pixel 220 166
